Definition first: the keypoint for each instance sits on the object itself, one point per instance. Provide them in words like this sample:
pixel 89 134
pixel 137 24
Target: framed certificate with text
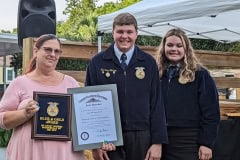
pixel 95 116
pixel 53 120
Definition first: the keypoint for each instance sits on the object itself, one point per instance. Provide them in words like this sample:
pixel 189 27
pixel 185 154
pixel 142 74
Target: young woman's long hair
pixel 38 44
pixel 188 65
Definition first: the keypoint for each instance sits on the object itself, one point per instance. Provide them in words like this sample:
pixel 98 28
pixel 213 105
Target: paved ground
pixel 2 153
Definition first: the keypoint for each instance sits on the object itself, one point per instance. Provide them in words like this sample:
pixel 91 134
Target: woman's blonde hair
pixel 188 65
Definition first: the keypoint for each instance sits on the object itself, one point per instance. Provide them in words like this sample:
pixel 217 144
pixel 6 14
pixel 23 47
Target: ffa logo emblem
pixel 140 74
pixel 183 80
pixel 52 109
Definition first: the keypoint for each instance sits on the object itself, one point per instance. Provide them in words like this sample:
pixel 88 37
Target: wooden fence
pixel 218 60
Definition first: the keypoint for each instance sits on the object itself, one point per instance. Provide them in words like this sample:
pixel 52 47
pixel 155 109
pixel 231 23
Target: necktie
pixel 123 61
pixel 172 71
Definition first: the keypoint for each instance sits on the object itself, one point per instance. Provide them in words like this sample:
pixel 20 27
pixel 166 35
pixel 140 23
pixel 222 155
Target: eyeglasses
pixel 49 50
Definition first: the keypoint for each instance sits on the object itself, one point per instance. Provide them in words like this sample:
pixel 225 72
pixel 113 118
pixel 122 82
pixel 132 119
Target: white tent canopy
pixel 204 19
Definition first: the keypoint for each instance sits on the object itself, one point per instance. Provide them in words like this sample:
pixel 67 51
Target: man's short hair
pixel 125 19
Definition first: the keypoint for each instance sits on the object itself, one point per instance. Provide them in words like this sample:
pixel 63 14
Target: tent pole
pixel 99 34
pixel 4 73
pixel 99 44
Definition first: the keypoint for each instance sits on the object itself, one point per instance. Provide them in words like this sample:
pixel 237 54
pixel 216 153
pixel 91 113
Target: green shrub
pixel 4 137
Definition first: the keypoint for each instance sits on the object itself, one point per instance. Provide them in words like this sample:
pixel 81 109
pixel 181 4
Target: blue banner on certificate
pixel 95 117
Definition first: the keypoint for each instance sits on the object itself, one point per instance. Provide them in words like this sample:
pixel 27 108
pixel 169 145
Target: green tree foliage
pixel 5 31
pixel 16 62
pixel 205 44
pixel 72 64
pixel 110 7
pixel 8 31
pixel 148 40
pixel 235 47
pixel 81 24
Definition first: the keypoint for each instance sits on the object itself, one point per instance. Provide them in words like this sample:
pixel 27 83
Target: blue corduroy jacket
pixel 194 104
pixel 139 90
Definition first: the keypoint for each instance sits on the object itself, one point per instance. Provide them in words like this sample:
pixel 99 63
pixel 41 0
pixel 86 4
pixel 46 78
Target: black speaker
pixel 35 17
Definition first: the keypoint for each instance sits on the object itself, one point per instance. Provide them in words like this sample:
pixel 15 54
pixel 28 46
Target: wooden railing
pixel 85 51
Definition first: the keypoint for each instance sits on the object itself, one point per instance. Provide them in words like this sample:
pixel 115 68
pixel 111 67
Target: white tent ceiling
pixel 204 19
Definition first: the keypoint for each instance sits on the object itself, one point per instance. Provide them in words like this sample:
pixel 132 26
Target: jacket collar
pixel 138 55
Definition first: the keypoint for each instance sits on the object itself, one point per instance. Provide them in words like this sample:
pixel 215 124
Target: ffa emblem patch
pixel 140 74
pixel 52 109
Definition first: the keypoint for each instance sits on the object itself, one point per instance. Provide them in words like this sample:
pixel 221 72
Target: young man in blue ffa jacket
pixel 139 92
